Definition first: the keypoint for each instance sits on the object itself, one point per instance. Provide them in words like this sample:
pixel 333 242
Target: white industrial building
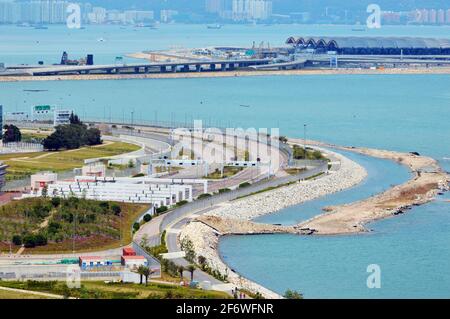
pixel 129 190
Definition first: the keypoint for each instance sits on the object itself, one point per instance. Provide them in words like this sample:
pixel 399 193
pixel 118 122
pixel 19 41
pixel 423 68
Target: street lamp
pixel 304 141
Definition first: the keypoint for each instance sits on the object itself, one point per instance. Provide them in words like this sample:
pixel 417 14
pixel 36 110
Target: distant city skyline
pixel 223 11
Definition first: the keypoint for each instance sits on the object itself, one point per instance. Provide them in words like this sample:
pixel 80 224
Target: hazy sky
pixel 279 5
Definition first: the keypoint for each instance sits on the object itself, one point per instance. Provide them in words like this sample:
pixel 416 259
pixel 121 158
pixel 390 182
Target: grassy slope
pixel 101 290
pixel 17 295
pixel 25 164
pixel 13 221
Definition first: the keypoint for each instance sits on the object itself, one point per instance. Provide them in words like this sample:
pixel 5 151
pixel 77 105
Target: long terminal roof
pixel 373 42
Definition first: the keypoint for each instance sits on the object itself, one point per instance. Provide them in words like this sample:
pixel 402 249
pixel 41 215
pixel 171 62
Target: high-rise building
pixel 432 16
pixel 441 16
pixel 167 15
pixel 215 6
pixel 135 16
pixel 447 19
pixel 251 9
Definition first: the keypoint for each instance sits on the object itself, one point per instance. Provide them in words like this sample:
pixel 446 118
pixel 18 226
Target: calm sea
pixel 397 112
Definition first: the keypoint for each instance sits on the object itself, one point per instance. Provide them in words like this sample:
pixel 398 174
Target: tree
pixel 54 142
pixel 72 136
pixel 12 134
pixel 144 241
pixel 191 269
pixel 202 261
pixel 29 241
pixel 147 218
pixel 180 270
pixel 147 273
pixel 74 119
pixel 44 191
pixel 141 271
pixel 136 226
pixel 93 137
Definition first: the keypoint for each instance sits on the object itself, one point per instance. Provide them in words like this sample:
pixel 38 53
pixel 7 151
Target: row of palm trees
pixel 190 268
pixel 146 272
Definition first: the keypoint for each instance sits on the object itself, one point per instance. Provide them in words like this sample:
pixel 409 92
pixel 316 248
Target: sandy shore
pixel 428 180
pixel 436 70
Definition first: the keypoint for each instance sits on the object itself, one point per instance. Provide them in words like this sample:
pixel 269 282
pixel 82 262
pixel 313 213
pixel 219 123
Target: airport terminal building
pixel 372 45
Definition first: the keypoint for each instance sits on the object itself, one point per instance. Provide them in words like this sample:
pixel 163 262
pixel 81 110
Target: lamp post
pixel 304 141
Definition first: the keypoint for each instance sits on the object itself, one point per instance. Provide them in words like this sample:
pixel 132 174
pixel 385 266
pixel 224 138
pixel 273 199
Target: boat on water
pixel 153 26
pixel 214 26
pixel 40 27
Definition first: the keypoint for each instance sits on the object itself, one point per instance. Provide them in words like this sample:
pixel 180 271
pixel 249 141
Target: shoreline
pixel 428 180
pixel 227 74
pixel 235 218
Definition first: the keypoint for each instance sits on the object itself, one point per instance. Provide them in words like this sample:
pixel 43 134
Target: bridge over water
pixel 163 67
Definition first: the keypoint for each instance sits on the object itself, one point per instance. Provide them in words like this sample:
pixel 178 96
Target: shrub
pixel 139 175
pixel 53 228
pixel 292 294
pixel 161 209
pixel 40 240
pixel 56 201
pixel 116 209
pixel 206 195
pixel 136 226
pixel 29 241
pixel 243 185
pixel 224 190
pixel 181 203
pixel 17 240
pixel 147 218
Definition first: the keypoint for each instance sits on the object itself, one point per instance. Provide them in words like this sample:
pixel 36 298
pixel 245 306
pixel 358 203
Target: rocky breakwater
pixel 348 175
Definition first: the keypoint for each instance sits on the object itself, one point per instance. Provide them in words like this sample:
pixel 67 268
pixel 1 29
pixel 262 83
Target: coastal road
pixel 199 275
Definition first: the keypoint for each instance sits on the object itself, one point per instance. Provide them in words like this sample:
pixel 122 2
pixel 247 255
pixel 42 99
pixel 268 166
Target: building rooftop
pixel 133 257
pixel 371 42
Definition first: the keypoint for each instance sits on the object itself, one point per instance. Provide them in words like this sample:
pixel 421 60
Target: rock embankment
pixel 206 240
pixel 348 175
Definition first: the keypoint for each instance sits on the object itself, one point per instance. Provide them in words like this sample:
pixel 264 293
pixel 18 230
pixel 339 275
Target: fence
pixel 26 182
pixel 21 147
pixel 153 263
